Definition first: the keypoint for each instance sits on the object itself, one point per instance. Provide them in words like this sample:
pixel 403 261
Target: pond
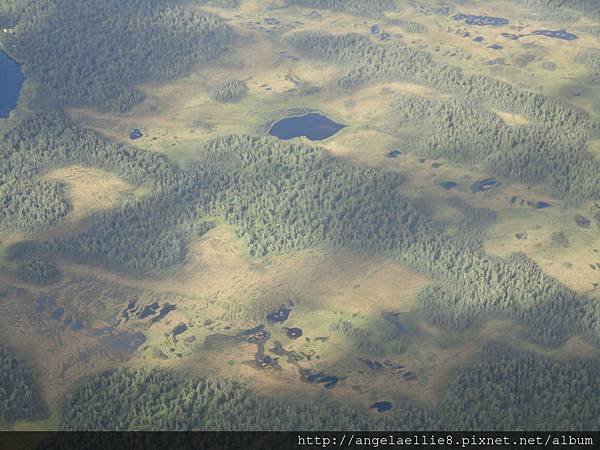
pixel 293 333
pixel 485 185
pixel 11 80
pixel 481 20
pixel 135 134
pixel 280 315
pixel 448 185
pixel 313 126
pixel 561 34
pixel 328 381
pixel 381 406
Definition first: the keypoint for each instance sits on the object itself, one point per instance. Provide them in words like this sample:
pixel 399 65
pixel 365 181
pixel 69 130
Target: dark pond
pixel 495 47
pixel 293 333
pixel 375 29
pixel 57 313
pixel 181 328
pixel 481 20
pixel 409 376
pixel 485 185
pixel 314 126
pixel 265 361
pixel 130 307
pixel 148 310
pixel 135 134
pixel 123 342
pixel 393 154
pixel 541 205
pixel 561 34
pixel 381 406
pixel 478 39
pixel 166 309
pixel 329 381
pixel 280 315
pixel 385 37
pixel 511 36
pixel 11 82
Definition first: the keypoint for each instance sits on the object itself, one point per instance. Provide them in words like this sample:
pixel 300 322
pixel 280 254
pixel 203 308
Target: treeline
pixel 357 7
pixel 507 390
pixel 19 398
pixel 591 60
pixel 587 7
pixel 552 149
pixel 36 143
pixel 463 130
pixel 152 399
pixel 91 53
pixel 513 390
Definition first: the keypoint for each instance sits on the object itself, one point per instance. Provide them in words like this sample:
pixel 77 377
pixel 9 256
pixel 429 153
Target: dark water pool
pixel 560 34
pixel 381 406
pixel 293 333
pixel 485 185
pixel 481 20
pixel 11 82
pixel 136 133
pixel 280 315
pixel 313 126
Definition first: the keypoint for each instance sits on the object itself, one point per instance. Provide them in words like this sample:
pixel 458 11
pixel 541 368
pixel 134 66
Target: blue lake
pixel 11 82
pixel 314 126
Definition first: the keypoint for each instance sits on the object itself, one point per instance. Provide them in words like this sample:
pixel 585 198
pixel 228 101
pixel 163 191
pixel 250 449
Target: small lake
pixel 11 82
pixel 313 126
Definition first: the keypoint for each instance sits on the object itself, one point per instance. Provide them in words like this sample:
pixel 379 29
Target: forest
pixel 19 398
pixel 591 60
pixel 506 390
pixel 280 198
pixel 91 53
pixel 462 128
pixel 587 7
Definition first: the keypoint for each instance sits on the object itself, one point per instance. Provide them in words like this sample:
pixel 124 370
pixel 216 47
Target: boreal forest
pixel 299 215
